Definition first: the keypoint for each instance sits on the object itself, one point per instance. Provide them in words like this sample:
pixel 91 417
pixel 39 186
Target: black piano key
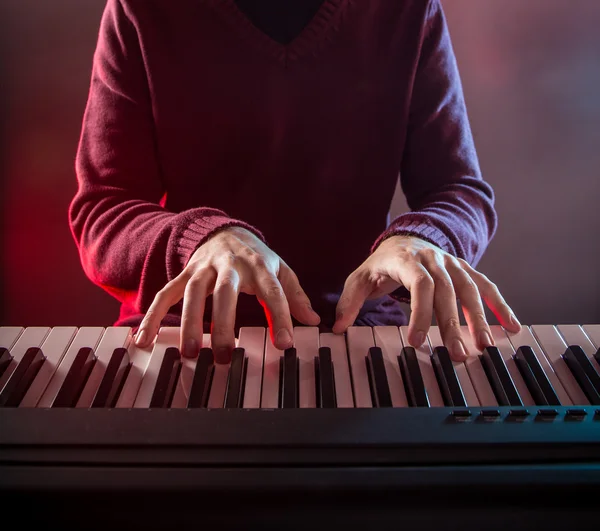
pixel 289 380
pixel 317 382
pixel 540 387
pixel 233 398
pixel 5 359
pixel 411 374
pixel 378 377
pixel 326 379
pixel 201 383
pixel 447 379
pixel 584 372
pixel 20 380
pixel 76 378
pixel 113 380
pixel 166 380
pixel 504 388
pixel 597 355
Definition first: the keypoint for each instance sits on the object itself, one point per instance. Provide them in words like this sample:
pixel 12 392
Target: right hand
pixel 231 261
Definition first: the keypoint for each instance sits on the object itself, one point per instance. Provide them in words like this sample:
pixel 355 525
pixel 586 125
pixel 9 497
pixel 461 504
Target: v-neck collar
pixel 319 29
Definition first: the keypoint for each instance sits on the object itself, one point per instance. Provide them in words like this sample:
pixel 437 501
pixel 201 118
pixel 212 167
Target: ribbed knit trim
pixel 311 39
pixel 420 229
pixel 200 229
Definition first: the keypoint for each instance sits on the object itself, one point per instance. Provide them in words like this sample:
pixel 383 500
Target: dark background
pixel 531 73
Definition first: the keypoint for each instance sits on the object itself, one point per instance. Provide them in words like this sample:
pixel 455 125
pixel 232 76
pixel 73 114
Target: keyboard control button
pixel 461 414
pixel 490 414
pixel 547 414
pixel 575 414
pixel 517 414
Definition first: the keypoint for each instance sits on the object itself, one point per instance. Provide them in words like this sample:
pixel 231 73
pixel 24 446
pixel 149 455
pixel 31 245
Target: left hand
pixel 435 280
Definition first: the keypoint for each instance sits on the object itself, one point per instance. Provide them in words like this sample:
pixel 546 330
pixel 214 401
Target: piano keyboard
pixel 97 367
pixel 360 426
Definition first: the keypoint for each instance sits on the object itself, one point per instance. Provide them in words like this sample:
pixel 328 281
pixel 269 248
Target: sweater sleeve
pixel 128 243
pixel 451 206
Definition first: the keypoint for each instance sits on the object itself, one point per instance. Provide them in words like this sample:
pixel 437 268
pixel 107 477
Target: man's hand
pixel 232 261
pixel 435 280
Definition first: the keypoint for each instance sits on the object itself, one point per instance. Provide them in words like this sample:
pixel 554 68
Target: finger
pixel 492 297
pixel 415 277
pixel 298 301
pixel 356 290
pixel 271 296
pixel 192 315
pixel 466 290
pixel 164 299
pixel 446 311
pixel 225 296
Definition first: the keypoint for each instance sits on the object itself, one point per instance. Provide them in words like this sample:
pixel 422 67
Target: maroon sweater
pixel 197 120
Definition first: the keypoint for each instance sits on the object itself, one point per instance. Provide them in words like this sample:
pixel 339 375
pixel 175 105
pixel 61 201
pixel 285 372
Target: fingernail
pixel 485 339
pixel 513 320
pixel 284 337
pixel 419 338
pixel 458 350
pixel 190 349
pixel 140 337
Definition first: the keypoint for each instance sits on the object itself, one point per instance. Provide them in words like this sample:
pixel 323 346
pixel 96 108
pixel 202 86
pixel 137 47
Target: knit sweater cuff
pixel 201 229
pixel 419 229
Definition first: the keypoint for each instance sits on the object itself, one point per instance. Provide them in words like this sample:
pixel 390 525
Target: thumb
pixel 351 301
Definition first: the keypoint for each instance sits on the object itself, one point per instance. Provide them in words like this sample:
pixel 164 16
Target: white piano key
pixel 554 347
pixel 186 377
pixel 54 348
pixel 87 336
pixel 574 335
pixel 593 333
pixel 306 342
pixel 341 369
pixel 426 367
pixel 360 339
pixel 270 385
pixel 168 336
pixel 525 338
pixel 138 360
pixel 388 339
pixel 507 351
pixel 481 384
pixel 32 336
pixel 460 367
pixel 114 337
pixel 9 335
pixel 252 340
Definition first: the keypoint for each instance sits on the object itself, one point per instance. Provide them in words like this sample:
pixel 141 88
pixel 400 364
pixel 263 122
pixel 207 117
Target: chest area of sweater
pixel 326 112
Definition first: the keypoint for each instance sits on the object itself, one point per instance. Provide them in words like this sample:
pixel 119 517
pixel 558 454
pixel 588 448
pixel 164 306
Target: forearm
pixel 451 205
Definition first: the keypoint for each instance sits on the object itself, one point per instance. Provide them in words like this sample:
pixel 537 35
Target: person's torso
pixel 304 141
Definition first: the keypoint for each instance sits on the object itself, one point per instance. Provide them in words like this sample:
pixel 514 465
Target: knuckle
pixel 424 281
pixel 251 256
pixel 444 284
pixel 273 291
pixel 452 324
pixel 227 279
pixel 195 283
pixel 452 263
pixel 427 253
pixel 228 259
